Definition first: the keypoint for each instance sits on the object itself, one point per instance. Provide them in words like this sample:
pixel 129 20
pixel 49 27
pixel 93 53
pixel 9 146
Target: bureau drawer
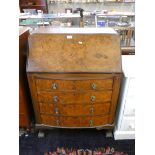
pixel 77 97
pixel 74 110
pixel 84 121
pixel 98 84
pixel 54 85
pixel 64 85
pixel 50 120
pixel 90 121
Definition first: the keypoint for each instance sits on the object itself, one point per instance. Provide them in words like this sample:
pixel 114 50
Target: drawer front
pixel 50 120
pixel 94 84
pixel 46 108
pixel 101 120
pixel 54 85
pixel 84 121
pixel 64 85
pixel 77 97
pixel 75 121
pixel 74 110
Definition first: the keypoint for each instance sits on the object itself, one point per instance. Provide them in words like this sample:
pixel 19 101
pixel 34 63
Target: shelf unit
pixel 125 120
pixel 60 20
pixel 47 19
pixel 51 2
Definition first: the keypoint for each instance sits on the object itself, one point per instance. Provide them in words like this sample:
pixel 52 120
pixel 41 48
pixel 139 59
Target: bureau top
pixel 75 30
pixel 74 50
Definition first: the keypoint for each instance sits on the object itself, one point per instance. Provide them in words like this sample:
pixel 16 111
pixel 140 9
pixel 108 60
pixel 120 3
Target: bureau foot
pixel 41 134
pixel 99 128
pixel 109 134
pixel 43 127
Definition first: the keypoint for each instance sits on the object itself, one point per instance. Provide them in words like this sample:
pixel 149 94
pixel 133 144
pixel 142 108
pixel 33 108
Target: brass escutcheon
pixel 92 110
pixel 55 98
pixel 54 86
pixel 91 123
pixel 93 85
pixel 92 98
pixel 57 122
pixel 56 111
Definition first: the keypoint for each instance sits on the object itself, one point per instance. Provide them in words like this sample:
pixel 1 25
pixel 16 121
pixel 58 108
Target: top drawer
pixel 67 84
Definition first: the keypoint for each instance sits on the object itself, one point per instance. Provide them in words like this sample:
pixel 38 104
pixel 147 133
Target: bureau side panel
pixel 34 96
pixel 115 95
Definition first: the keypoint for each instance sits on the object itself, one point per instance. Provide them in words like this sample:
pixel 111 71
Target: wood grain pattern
pixel 85 121
pixel 49 120
pixel 33 91
pixel 74 77
pixel 65 85
pixel 75 109
pixel 116 90
pixel 81 53
pixel 76 97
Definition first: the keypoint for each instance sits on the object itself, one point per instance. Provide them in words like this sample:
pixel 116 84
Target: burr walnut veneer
pixel 74 76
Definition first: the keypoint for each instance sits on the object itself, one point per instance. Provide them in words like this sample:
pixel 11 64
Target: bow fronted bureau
pixel 74 76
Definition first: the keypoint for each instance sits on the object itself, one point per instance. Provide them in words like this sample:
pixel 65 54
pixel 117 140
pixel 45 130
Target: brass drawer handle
pixel 55 98
pixel 93 85
pixel 91 110
pixel 56 110
pixel 92 98
pixel 54 86
pixel 91 123
pixel 57 123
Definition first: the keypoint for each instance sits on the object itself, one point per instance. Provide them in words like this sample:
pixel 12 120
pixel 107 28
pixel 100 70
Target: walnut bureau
pixel 74 76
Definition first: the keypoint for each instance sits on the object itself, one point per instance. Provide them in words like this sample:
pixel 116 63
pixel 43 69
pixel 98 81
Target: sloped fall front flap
pixel 71 50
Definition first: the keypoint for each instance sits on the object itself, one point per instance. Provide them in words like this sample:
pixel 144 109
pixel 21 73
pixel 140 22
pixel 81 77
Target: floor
pixel 69 138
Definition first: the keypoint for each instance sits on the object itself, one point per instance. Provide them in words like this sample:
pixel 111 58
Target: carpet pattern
pixel 78 139
pixel 98 151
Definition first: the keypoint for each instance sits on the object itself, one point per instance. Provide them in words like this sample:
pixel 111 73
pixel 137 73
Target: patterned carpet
pixel 98 151
pixel 75 142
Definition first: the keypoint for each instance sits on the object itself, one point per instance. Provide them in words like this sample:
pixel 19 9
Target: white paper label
pixel 69 37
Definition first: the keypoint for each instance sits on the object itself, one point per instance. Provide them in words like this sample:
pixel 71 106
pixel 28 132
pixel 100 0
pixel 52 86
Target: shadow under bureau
pixel 74 76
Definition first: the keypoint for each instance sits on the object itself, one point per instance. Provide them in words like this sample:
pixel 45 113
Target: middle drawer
pixel 75 97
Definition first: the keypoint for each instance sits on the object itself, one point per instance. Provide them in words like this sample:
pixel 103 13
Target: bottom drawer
pixel 83 121
pixel 50 120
